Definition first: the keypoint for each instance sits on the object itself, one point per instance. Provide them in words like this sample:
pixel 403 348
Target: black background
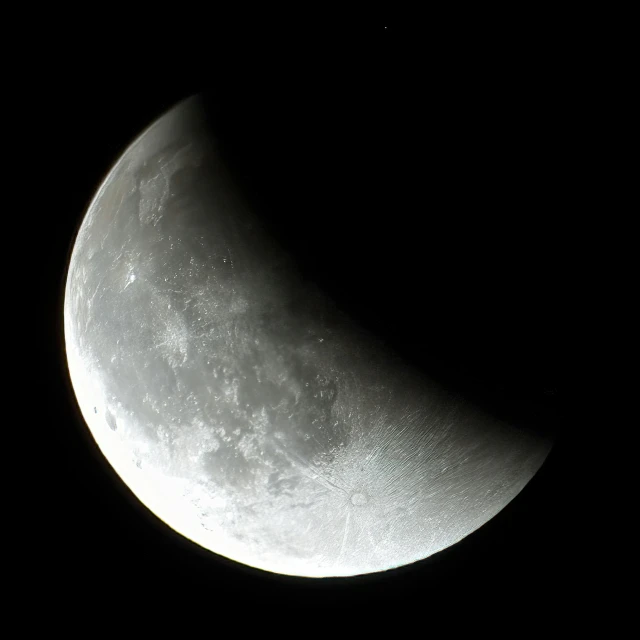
pixel 430 185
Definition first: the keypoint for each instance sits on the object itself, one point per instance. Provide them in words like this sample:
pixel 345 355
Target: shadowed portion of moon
pixel 240 405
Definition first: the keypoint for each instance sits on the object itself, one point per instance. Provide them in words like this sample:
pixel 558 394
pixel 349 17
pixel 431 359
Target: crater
pixel 358 499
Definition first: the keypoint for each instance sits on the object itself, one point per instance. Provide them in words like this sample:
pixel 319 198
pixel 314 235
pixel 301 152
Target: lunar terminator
pixel 239 405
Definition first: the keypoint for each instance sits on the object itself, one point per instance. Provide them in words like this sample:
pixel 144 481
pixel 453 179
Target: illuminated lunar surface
pixel 237 403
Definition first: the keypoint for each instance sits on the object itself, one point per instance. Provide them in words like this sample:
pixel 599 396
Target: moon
pixel 240 405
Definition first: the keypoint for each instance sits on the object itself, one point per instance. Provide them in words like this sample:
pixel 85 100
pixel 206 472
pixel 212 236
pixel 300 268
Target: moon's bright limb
pixel 239 406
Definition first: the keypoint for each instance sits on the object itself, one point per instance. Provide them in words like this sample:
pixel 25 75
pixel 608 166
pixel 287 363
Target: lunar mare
pixel 239 405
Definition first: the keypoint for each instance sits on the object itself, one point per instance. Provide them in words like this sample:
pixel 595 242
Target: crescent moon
pixel 240 405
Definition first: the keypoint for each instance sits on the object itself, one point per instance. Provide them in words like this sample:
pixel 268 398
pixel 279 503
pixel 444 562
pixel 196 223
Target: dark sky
pixel 430 188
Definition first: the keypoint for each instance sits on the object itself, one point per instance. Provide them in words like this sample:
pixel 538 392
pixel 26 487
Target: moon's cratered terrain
pixel 239 405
